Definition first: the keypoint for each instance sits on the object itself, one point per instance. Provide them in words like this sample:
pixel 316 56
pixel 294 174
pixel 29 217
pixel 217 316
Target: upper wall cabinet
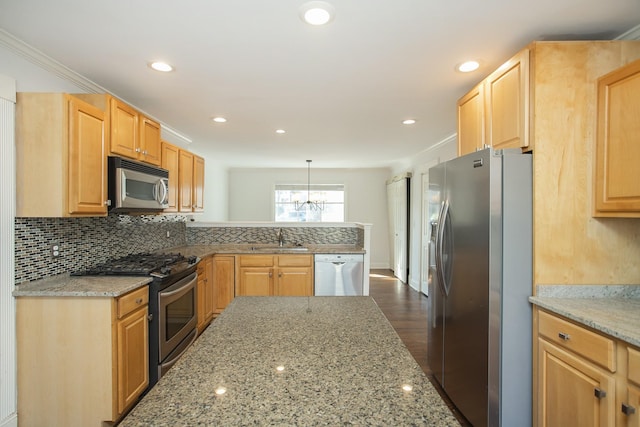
pixel 60 156
pixel 471 121
pixel 495 112
pixel 186 179
pixel 132 134
pixel 617 180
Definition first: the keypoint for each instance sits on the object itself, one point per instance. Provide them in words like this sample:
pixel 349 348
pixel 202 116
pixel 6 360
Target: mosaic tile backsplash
pixel 265 235
pixel 84 242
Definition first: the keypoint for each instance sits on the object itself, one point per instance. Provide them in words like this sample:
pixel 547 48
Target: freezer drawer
pixel 338 274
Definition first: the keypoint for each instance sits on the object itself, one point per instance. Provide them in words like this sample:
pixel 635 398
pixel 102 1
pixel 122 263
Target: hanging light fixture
pixel 313 205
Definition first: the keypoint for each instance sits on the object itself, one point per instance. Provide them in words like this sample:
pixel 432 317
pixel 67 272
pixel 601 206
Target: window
pixel 327 203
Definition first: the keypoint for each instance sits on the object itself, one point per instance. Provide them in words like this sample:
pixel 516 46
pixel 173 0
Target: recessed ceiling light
pixel 468 66
pixel 281 131
pixel 408 121
pixel 219 119
pixel 317 12
pixel 161 66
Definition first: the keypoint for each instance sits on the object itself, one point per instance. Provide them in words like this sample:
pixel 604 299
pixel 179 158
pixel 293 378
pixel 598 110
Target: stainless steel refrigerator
pixel 480 277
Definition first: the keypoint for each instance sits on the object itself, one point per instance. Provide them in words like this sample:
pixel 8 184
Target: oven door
pixel 177 312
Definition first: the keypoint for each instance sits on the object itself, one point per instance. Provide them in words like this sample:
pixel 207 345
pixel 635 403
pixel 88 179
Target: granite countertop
pixel 258 249
pixel 64 285
pixel 612 310
pixel 342 364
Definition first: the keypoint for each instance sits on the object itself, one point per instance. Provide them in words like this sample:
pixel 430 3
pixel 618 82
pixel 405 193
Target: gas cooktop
pixel 142 264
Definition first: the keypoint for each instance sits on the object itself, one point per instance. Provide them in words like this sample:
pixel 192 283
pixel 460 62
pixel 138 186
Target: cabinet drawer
pixel 256 261
pixel 634 365
pixel 294 260
pixel 132 301
pixel 588 344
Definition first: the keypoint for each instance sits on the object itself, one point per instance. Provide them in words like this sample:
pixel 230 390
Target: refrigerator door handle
pixel 442 219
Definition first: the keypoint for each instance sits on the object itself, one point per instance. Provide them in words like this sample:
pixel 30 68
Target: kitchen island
pixel 295 361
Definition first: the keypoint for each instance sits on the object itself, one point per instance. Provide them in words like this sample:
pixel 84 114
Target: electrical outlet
pixel 55 250
pixel 168 234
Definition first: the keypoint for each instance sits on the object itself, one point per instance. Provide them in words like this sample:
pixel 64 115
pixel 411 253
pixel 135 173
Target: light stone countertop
pixel 343 362
pixel 616 312
pixel 263 249
pixel 64 285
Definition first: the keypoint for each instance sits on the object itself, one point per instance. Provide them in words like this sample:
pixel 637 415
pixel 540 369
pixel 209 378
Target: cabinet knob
pixel 107 202
pixel 628 409
pixel 599 393
pixel 138 150
pixel 145 152
pixel 271 274
pixel 139 301
pixel 564 336
pixel 279 274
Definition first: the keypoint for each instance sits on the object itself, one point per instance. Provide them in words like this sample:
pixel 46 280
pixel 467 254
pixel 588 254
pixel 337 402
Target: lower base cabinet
pixel 281 275
pixel 224 277
pixel 82 361
pixel 205 294
pixel 584 377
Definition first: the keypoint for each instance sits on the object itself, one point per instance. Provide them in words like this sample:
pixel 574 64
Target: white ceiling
pixel 340 91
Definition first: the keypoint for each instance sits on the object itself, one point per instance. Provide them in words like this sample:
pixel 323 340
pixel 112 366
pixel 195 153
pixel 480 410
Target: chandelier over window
pixel 317 205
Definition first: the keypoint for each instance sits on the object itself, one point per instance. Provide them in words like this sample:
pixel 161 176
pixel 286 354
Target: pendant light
pixel 313 205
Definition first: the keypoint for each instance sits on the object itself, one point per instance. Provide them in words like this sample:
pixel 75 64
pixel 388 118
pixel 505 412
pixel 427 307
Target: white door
pixel 425 224
pixel 397 200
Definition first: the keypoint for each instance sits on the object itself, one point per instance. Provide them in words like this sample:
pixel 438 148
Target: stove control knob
pixel 165 270
pixel 192 259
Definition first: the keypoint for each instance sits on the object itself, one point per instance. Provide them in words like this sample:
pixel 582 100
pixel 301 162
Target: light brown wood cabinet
pixel 186 179
pixel 223 282
pixel 281 275
pixel 81 360
pixel 60 156
pixel 170 162
pixel 471 121
pixel 617 182
pixel 132 134
pixel 585 377
pixel 495 112
pixel 205 293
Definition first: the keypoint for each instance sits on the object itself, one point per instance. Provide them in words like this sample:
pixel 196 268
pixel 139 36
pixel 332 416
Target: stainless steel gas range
pixel 172 303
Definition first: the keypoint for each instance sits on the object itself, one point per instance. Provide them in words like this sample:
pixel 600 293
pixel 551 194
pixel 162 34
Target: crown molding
pixel 632 34
pixel 47 63
pixel 56 68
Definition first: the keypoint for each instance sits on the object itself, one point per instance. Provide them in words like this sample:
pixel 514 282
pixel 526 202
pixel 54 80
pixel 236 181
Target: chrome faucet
pixel 280 238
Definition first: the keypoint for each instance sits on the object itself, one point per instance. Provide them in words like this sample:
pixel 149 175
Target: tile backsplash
pixel 265 235
pixel 84 242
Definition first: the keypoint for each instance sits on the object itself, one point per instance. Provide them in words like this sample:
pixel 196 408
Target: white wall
pixel 251 198
pixel 446 149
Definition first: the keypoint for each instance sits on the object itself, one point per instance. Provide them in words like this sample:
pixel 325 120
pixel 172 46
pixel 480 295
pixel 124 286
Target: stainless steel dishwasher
pixel 338 274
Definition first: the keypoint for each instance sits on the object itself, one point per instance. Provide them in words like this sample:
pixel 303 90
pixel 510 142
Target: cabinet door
pixel 170 163
pixel 124 129
pixel 294 281
pixel 631 407
pixel 209 296
pixel 185 181
pixel 133 357
pixel 223 282
pixel 198 184
pixel 618 143
pixel 255 281
pixel 568 390
pixel 150 145
pixel 507 103
pixel 471 121
pixel 87 186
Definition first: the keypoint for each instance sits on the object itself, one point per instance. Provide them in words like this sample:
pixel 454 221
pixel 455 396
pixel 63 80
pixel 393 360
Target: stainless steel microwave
pixel 137 187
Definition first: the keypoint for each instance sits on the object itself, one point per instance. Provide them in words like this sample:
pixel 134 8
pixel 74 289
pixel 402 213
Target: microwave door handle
pixel 163 193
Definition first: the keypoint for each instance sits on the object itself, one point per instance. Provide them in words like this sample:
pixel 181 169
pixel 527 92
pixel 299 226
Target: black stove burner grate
pixel 133 265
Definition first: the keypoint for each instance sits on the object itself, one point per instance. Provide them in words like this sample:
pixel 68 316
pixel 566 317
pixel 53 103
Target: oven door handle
pixel 178 287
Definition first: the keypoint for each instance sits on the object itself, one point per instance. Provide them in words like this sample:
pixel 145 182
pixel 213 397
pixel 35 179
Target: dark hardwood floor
pixel 407 311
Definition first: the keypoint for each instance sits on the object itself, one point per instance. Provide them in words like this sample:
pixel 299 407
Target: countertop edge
pixel 599 314
pixel 64 285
